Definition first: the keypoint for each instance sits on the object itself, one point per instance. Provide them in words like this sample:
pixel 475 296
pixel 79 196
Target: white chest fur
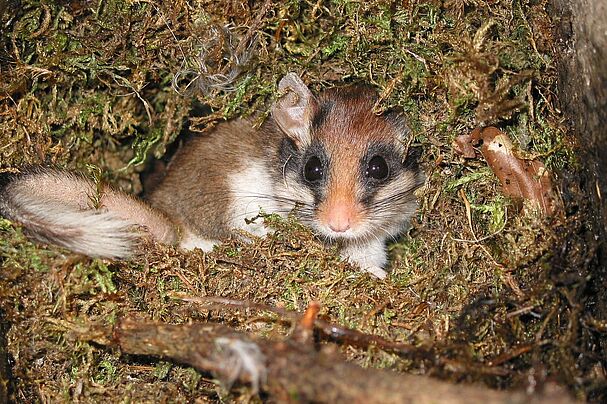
pixel 252 191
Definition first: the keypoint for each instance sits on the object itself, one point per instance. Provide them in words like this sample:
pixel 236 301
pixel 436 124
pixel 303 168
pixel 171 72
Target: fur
pixel 58 207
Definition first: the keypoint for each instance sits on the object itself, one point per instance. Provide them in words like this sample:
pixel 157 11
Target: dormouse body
pixel 329 159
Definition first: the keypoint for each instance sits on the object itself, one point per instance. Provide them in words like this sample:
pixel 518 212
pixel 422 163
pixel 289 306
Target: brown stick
pixel 328 331
pixel 291 371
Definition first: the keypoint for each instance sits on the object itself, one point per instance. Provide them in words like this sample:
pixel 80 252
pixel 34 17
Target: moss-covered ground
pixel 106 87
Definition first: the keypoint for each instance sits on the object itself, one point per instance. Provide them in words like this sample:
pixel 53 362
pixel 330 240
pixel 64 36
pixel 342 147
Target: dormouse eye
pixel 313 169
pixel 377 168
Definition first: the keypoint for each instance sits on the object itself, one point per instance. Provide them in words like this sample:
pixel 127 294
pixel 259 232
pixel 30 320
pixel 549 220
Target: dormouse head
pixel 345 166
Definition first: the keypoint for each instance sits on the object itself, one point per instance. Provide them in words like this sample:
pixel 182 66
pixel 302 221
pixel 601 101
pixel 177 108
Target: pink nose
pixel 339 220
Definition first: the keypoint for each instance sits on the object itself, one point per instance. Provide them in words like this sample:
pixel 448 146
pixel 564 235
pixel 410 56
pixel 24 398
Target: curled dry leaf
pixel 463 145
pixel 520 178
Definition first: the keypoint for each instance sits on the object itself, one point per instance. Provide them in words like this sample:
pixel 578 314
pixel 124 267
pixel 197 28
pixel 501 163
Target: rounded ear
pixel 293 110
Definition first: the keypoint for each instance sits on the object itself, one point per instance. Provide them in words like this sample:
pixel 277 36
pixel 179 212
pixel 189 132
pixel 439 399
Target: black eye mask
pixel 381 164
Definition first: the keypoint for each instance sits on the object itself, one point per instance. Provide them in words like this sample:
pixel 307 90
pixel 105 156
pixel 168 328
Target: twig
pixel 327 330
pixel 305 328
pixel 285 369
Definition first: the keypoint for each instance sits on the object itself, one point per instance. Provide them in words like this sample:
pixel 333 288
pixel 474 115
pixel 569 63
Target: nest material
pixel 92 87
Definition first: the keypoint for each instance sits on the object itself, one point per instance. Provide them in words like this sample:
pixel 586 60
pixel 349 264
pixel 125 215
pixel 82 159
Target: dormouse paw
pixel 371 257
pixel 376 271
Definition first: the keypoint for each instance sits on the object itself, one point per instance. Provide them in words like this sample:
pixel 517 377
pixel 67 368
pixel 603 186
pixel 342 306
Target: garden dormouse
pixel 339 167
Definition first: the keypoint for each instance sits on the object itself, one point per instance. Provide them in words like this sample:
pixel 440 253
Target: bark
pixel 582 67
pixel 290 370
pixel 5 373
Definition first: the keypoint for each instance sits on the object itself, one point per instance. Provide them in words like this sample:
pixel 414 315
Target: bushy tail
pixel 72 211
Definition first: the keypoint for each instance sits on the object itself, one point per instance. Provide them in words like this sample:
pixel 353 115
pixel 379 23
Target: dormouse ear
pixel 292 111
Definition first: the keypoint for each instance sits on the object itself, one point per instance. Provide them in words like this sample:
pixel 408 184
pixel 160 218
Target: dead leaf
pixel 463 145
pixel 520 178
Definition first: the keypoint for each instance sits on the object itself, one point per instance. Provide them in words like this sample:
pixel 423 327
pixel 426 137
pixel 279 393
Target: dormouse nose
pixel 340 215
pixel 339 218
pixel 340 211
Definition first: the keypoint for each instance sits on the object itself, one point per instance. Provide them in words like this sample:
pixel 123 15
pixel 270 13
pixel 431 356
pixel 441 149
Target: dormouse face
pixel 347 167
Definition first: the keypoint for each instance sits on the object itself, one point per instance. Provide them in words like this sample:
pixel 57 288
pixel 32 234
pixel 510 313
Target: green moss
pixel 337 45
pixel 106 373
pixel 18 254
pixel 496 212
pixel 239 93
pixel 94 278
pixel 143 144
pixel 161 370
pixel 473 176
